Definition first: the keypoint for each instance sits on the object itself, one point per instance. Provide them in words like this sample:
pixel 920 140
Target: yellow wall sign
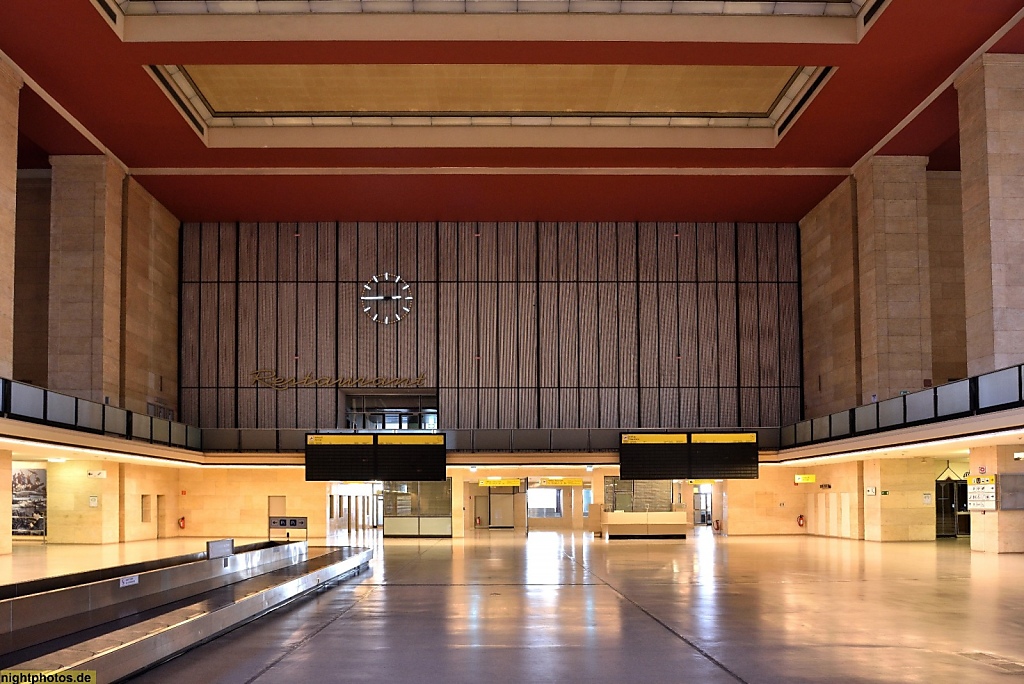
pixel 804 479
pixel 501 483
pixel 411 439
pixel 635 438
pixel 561 482
pixel 339 439
pixel 723 437
pixel 982 480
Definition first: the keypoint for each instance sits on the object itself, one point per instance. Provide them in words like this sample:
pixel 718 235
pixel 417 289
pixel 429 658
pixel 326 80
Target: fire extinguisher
pixel 800 520
pixel 478 520
pixel 181 522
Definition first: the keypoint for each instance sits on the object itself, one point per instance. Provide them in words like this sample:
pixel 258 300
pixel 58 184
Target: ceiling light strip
pixel 9 442
pixel 800 8
pixel 487 171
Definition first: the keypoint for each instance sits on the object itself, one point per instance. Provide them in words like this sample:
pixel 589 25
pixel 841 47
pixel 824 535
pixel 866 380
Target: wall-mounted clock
pixel 386 298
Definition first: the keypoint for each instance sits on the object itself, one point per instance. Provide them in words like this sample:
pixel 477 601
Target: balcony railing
pixel 995 391
pixel 37 405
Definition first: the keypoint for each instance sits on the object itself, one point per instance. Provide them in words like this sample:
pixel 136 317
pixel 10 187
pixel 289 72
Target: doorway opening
pixel 952 519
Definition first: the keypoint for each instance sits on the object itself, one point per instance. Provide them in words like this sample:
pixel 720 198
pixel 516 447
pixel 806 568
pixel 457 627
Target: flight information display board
pixel 688 456
pixel 374 457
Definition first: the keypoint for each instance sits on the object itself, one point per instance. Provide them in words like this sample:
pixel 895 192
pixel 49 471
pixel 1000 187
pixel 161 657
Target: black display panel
pixel 340 462
pixel 723 461
pixel 654 461
pixel 369 457
pixel 424 463
pixel 695 456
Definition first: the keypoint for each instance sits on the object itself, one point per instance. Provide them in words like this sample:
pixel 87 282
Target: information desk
pixel 669 524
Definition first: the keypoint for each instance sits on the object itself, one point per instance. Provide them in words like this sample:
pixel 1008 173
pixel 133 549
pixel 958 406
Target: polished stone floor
pixel 551 607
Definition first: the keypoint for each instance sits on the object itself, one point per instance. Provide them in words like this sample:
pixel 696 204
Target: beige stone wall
pixel 151 303
pixel 946 271
pixel 85 278
pixel 828 237
pixel 991 104
pixel 903 514
pixel 10 85
pixel 232 502
pixel 70 518
pixel 895 292
pixel 32 278
pixel 161 486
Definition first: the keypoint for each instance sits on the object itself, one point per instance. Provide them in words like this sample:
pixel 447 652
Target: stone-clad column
pixel 998 531
pixel 85 277
pixel 10 87
pixel 991 103
pixel 895 294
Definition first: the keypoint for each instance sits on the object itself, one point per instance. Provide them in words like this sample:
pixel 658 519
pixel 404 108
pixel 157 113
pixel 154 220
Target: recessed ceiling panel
pixel 490 89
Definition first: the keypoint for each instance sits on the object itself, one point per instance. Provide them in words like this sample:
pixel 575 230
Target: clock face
pixel 386 298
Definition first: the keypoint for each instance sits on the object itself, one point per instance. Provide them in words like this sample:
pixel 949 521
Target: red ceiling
pixel 67 48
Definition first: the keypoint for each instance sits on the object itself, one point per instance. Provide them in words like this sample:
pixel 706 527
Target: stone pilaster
pixel 997 531
pixel 991 103
pixel 829 297
pixel 946 275
pixel 85 277
pixel 10 87
pixel 895 296
pixel 5 504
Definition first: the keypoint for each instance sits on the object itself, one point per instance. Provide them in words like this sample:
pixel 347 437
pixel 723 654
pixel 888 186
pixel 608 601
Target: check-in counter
pixel 417 526
pixel 645 524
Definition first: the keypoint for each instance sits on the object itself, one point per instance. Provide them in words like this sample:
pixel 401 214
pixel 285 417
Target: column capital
pixel 9 76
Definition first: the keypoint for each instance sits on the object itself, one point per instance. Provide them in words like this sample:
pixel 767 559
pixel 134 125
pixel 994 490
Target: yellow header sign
pixel 339 439
pixel 804 479
pixel 982 480
pixel 723 437
pixel 561 482
pixel 410 439
pixel 510 482
pixel 649 438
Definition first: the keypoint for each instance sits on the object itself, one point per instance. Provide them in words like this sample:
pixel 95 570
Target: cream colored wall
pixel 836 510
pixel 137 480
pixel 70 518
pixel 907 512
pixel 767 505
pixel 459 513
pixel 232 502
